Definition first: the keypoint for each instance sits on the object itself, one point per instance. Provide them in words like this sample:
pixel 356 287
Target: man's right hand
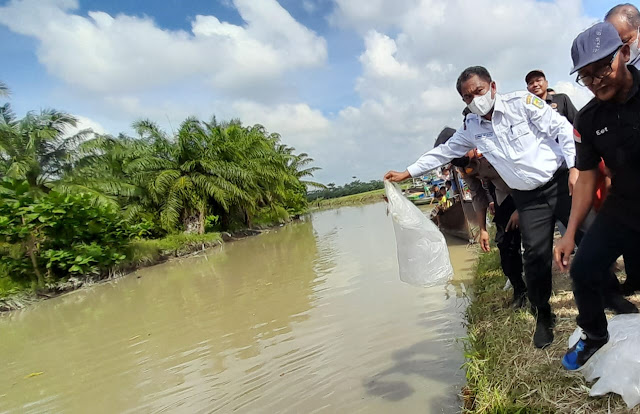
pixel 562 252
pixel 483 239
pixel 396 177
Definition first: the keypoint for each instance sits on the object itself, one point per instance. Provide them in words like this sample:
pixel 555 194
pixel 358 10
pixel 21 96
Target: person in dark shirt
pixel 538 85
pixel 608 128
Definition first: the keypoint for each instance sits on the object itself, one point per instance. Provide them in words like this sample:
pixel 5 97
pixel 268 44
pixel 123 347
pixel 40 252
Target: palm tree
pixel 4 90
pixel 37 148
pixel 186 173
pixel 101 169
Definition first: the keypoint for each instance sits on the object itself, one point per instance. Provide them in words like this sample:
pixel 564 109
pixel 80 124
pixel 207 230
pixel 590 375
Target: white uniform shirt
pixel 519 141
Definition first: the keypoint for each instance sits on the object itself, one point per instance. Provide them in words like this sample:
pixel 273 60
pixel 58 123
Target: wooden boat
pixel 419 198
pixel 458 220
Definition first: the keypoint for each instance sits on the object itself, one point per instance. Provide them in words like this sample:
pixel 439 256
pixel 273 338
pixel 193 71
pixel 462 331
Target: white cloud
pixel 579 94
pixel 379 61
pixel 107 54
pixel 300 126
pixel 86 123
pixel 412 53
pixel 309 6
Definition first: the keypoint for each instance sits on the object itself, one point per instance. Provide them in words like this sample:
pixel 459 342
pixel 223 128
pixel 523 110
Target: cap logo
pixel 597 45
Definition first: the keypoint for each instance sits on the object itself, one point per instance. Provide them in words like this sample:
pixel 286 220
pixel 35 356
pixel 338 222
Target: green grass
pixel 350 200
pixel 149 251
pixel 505 372
pixel 10 287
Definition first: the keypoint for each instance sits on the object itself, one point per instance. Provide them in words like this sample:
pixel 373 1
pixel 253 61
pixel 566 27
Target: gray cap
pixel 595 43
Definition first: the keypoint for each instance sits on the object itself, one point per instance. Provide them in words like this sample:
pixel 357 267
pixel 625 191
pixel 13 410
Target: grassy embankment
pixel 505 372
pixel 140 253
pixel 350 200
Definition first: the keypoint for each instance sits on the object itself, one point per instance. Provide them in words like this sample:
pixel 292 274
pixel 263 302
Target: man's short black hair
pixel 469 72
pixel 448 182
pixel 628 11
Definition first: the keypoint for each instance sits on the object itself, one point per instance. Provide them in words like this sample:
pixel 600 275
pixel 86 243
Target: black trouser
pixel 509 245
pixel 539 209
pixel 603 243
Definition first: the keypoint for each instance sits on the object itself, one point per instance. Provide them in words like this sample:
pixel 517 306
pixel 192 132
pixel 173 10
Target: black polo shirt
pixel 611 131
pixel 561 103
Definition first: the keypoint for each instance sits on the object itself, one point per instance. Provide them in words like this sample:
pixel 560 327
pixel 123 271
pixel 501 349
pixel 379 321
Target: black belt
pixel 560 171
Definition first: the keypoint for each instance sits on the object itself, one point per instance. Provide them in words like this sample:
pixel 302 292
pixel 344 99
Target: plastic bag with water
pixel 423 256
pixel 617 367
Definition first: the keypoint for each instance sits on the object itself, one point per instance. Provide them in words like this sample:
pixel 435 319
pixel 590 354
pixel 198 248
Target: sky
pixel 362 86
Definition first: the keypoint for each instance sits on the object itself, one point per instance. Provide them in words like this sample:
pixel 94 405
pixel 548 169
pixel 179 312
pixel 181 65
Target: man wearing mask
pixel 538 85
pixel 626 20
pixel 607 129
pixel 517 134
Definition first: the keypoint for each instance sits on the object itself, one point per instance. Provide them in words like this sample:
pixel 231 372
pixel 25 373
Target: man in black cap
pixel 538 85
pixel 608 128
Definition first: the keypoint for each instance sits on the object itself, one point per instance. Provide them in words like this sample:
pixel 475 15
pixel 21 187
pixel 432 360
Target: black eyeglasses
pixel 599 74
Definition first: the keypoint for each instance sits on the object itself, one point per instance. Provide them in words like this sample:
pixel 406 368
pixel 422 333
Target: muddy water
pixel 309 318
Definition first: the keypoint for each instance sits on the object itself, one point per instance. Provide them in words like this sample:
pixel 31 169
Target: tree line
pixel 205 176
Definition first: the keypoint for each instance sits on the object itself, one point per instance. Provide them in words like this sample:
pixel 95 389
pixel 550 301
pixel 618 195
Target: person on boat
pixel 448 185
pixel 517 133
pixel 444 202
pixel 435 192
pixel 607 129
pixel 538 85
pixel 626 20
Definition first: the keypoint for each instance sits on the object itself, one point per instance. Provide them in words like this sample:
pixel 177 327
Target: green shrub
pixel 56 235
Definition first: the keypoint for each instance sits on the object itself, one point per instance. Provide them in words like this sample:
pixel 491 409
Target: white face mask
pixel 634 47
pixel 482 104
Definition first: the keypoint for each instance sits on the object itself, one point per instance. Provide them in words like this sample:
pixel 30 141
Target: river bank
pixel 141 253
pixel 505 372
pixel 350 200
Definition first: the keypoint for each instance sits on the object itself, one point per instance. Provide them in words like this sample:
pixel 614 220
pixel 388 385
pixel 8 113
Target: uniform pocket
pixel 519 134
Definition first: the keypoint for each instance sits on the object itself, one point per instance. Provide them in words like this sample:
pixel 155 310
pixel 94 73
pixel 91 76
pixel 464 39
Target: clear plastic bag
pixel 617 367
pixel 423 256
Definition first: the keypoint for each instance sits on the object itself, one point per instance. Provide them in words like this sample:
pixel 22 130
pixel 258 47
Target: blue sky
pixel 362 85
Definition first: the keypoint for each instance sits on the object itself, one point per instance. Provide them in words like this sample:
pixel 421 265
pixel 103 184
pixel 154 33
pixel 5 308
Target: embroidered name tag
pixel 484 135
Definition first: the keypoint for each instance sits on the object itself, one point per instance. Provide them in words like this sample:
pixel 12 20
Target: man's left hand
pixel 573 177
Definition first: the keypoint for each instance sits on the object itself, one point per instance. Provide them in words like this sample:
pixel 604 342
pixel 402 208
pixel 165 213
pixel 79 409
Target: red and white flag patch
pixel 576 136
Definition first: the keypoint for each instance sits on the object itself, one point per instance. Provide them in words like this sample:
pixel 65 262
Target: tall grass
pixel 142 252
pixel 350 200
pixel 505 372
